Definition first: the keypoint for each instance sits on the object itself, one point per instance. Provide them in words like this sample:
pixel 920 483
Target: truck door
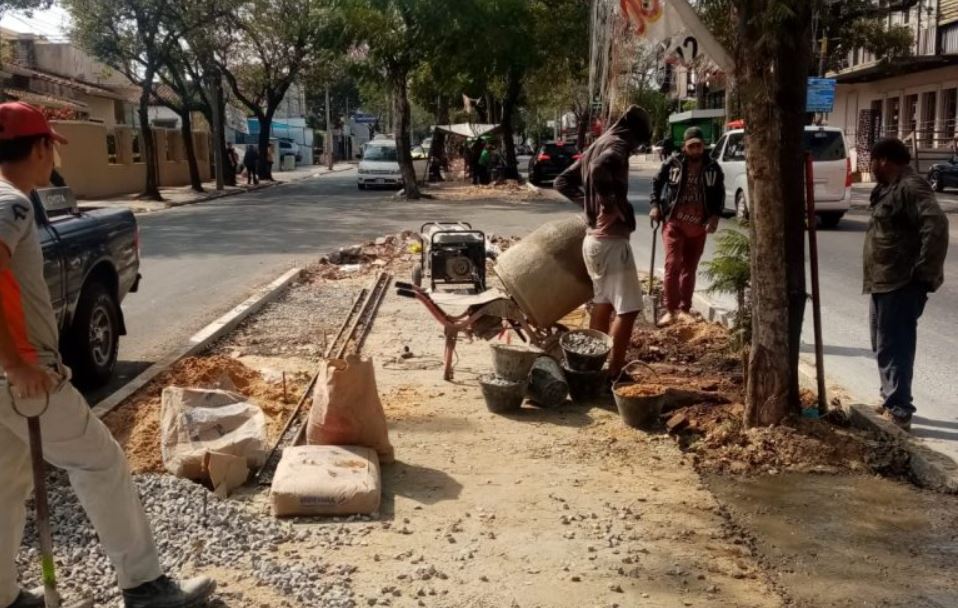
pixel 53 269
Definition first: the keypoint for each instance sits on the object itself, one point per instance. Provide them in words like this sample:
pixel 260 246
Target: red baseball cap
pixel 18 119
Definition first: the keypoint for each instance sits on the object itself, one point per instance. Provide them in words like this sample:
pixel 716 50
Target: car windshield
pixel 825 145
pixel 381 153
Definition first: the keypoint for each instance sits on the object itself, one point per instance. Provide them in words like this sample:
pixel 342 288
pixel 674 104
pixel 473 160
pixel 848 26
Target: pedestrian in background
pixel 250 160
pixel 73 438
pixel 688 196
pixel 599 182
pixel 905 248
pixel 232 159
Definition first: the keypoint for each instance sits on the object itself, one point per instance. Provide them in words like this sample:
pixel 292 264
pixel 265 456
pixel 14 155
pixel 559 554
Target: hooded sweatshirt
pixel 599 180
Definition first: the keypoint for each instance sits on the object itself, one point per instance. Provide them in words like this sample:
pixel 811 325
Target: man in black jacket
pixel 688 195
pixel 904 259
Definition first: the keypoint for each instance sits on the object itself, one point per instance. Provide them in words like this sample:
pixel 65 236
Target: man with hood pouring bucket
pixel 599 182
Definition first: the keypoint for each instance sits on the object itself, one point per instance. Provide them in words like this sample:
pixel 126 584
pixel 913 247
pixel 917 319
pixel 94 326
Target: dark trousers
pixel 251 176
pixel 894 332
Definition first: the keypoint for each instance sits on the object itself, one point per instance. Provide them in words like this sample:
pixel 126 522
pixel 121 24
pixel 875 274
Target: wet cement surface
pixel 842 541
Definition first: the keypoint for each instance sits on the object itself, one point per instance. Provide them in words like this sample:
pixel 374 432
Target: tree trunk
pixel 265 168
pixel 513 90
pixel 403 142
pixel 772 68
pixel 582 120
pixel 186 128
pixel 437 150
pixel 151 190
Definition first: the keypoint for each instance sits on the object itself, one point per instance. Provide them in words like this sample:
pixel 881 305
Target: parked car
pixel 550 160
pixel 290 148
pixel 91 263
pixel 831 165
pixel 944 175
pixel 380 165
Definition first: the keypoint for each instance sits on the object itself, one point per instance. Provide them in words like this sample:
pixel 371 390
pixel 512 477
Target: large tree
pixel 272 40
pixel 772 44
pixel 397 37
pixel 135 37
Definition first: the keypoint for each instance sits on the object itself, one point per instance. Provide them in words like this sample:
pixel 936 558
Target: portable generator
pixel 452 254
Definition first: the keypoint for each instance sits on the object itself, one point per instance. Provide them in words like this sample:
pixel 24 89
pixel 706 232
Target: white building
pixel 911 96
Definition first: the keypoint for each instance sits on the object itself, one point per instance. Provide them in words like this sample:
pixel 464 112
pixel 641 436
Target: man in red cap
pixel 73 438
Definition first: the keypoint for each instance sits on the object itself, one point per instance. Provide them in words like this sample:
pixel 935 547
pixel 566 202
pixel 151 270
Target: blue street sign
pixel 821 95
pixel 365 119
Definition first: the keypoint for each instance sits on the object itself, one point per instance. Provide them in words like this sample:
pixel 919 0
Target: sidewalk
pixel 861 192
pixel 184 195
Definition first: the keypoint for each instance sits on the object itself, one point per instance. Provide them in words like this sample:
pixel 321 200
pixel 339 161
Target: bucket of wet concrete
pixel 513 362
pixel 502 395
pixel 585 350
pixel 640 403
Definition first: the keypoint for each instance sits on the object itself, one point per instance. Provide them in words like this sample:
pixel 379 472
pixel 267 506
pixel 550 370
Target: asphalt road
pixel 201 260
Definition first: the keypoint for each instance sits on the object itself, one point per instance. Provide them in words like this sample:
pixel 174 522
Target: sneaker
pixel 29 599
pixel 902 422
pixel 685 316
pixel 166 593
pixel 666 320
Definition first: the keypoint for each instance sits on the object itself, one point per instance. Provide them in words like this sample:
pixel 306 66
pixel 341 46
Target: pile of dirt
pixel 695 358
pixel 374 255
pixel 510 190
pixel 684 342
pixel 136 424
pixel 716 436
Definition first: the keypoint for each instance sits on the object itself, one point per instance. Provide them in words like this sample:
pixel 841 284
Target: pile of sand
pixel 136 424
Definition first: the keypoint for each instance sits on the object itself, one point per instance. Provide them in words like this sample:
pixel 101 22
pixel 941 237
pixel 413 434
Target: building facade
pixel 912 98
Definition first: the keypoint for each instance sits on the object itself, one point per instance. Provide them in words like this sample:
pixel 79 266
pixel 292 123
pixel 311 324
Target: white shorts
pixel 615 278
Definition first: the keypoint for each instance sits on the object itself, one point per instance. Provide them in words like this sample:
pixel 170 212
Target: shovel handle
pixel 19 412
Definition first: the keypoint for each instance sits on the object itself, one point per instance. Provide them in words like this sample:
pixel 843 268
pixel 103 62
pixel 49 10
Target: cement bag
pixel 547 384
pixel 326 480
pixel 346 408
pixel 194 422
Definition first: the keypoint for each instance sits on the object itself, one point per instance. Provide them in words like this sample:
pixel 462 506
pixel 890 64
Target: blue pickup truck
pixel 91 262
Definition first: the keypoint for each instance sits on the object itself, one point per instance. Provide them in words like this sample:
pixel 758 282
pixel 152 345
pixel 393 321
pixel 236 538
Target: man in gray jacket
pixel 905 248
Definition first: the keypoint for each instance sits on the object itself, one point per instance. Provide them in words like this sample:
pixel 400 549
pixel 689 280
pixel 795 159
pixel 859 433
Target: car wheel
pixel 741 207
pixel 93 339
pixel 361 186
pixel 830 220
pixel 934 179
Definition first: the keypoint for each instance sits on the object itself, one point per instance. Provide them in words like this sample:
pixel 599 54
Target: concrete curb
pixel 200 340
pixel 930 469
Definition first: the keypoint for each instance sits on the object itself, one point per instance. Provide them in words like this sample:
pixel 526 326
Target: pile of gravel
pixel 194 531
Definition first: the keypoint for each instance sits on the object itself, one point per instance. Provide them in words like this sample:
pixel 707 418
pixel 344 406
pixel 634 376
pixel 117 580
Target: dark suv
pixel 549 160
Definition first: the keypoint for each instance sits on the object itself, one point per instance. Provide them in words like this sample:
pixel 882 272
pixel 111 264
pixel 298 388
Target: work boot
pixel 666 320
pixel 685 316
pixel 166 593
pixel 901 421
pixel 29 599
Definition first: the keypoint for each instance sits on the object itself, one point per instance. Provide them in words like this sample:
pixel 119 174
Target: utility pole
pixel 218 164
pixel 329 132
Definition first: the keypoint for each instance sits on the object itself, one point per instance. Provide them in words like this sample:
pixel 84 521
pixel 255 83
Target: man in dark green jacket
pixel 905 248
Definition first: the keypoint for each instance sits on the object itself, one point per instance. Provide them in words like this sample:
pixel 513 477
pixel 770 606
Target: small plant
pixel 730 272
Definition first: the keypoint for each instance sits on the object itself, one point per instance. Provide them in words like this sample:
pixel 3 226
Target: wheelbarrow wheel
pixel 417 275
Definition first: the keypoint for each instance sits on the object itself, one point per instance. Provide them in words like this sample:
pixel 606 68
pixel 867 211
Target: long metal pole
pixel 218 163
pixel 816 290
pixel 329 133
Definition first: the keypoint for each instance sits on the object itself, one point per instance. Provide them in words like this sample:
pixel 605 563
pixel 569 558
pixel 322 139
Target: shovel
pixel 653 318
pixel 48 573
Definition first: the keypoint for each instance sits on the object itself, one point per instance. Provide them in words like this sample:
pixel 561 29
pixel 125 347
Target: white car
pixel 380 165
pixel 831 165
